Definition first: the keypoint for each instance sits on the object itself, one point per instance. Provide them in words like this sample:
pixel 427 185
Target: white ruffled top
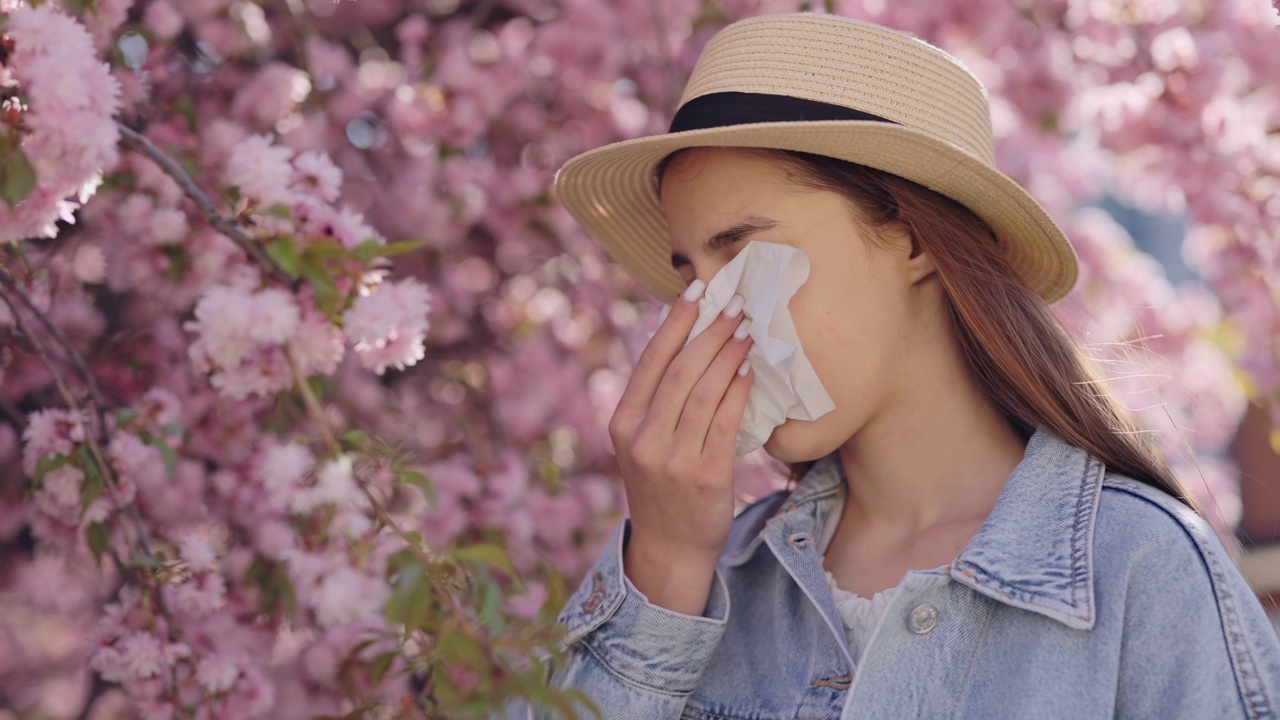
pixel 860 615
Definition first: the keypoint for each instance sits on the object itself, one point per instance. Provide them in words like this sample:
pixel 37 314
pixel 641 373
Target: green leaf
pixel 124 416
pixel 327 250
pixel 174 429
pixel 179 261
pixel 278 210
pixel 374 248
pixel 409 604
pixel 326 290
pixel 402 559
pixel 94 482
pixel 143 561
pixel 356 438
pixel 557 597
pixel 166 452
pixel 379 667
pixel 401 248
pixel 491 605
pixel 17 177
pixel 486 554
pixel 419 480
pixel 285 254
pixel 368 250
pixel 48 463
pixel 461 648
pixel 97 535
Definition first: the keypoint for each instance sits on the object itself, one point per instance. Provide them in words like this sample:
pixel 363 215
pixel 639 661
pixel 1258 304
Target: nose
pixel 705 268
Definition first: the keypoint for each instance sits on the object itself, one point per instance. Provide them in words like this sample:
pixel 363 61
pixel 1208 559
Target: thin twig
pixel 223 224
pixel 316 412
pixel 73 355
pixel 91 439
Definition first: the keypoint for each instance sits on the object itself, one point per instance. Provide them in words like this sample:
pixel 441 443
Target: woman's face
pixel 863 315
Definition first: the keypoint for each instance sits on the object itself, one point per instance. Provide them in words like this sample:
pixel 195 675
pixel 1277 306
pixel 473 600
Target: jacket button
pixel 596 598
pixel 923 619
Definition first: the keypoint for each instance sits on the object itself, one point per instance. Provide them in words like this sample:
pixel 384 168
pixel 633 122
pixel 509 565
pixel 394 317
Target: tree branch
pixel 91 437
pixel 223 224
pixel 73 356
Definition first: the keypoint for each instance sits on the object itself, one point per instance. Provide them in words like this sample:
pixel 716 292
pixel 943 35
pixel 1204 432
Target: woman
pixel 977 531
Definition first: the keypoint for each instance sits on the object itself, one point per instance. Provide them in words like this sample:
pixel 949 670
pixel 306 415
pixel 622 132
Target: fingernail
pixel 734 308
pixel 693 293
pixel 744 368
pixel 744 328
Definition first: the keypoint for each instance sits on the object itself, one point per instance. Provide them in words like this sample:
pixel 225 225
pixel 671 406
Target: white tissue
pixel 766 275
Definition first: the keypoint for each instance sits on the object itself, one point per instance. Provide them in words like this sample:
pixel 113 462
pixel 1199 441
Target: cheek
pixel 827 325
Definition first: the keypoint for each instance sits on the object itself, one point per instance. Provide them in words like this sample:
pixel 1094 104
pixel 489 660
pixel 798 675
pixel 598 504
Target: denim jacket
pixel 1084 595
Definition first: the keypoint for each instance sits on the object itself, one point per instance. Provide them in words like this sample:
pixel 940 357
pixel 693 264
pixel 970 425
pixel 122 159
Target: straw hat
pixel 830 86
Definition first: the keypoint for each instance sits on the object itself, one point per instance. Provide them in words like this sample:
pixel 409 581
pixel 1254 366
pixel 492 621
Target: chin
pixel 797 441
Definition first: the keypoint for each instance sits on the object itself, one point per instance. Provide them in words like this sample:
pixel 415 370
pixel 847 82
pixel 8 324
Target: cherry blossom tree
pixel 304 374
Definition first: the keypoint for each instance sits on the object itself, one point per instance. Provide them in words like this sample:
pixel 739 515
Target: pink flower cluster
pixel 388 326
pixel 247 339
pixel 63 118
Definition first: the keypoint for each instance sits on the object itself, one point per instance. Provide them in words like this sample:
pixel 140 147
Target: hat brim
pixel 612 193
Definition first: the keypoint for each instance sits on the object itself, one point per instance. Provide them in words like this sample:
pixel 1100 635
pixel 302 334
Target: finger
pixel 687 369
pixel 723 432
pixel 657 355
pixel 709 392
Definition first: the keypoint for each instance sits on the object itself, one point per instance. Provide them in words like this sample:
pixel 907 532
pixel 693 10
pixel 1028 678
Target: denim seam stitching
pixel 1012 591
pixel 629 681
pixel 1079 561
pixel 1248 680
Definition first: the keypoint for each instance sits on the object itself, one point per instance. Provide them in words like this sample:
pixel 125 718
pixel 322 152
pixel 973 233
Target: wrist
pixel 676 581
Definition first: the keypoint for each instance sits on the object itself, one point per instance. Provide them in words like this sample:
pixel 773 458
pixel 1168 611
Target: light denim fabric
pixel 1084 595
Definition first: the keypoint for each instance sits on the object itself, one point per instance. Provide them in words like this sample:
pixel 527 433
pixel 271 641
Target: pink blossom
pixel 143 655
pixel 349 227
pixel 346 595
pixel 282 469
pixel 59 494
pixel 196 552
pixel 275 316
pixel 261 170
pixel 136 460
pixel 317 346
pixel 217 673
pixel 200 596
pixel 335 485
pixel 162 19
pixel 315 174
pixel 88 264
pixel 241 337
pixel 388 326
pixel 272 95
pixel 72 100
pixel 109 663
pixel 50 432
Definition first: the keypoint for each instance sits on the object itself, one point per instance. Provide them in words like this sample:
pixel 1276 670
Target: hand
pixel 674 433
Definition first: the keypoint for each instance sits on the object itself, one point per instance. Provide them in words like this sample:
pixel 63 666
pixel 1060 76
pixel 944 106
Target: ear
pixel 920 264
pixel 917 263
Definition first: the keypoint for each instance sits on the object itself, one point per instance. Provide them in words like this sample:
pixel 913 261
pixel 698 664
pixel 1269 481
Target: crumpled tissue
pixel 767 275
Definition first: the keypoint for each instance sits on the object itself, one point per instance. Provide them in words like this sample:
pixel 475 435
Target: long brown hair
pixel 1031 368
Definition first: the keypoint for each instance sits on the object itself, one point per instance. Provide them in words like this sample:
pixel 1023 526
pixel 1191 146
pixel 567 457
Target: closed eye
pixel 750 226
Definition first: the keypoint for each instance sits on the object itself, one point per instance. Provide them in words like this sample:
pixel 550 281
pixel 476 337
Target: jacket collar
pixel 1035 550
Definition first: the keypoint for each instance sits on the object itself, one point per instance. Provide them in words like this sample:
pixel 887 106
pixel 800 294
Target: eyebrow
pixel 749 226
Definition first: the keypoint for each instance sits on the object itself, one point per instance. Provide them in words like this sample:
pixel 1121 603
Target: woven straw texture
pixel 942 140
